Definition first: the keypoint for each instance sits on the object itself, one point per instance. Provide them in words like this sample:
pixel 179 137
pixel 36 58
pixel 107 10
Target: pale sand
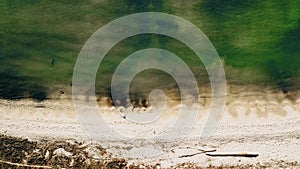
pixel 261 121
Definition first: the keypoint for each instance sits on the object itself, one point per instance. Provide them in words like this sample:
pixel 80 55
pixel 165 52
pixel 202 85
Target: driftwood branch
pixel 201 152
pixel 232 154
pixel 190 155
pixel 24 165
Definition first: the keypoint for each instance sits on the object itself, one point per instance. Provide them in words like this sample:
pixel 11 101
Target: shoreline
pixel 234 90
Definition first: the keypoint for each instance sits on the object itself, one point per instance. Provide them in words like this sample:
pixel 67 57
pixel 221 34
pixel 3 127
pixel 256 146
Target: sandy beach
pixel 255 120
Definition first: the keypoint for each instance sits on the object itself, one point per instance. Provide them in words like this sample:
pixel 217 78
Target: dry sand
pixel 255 120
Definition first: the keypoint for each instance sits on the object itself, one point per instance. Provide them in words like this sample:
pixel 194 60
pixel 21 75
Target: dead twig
pixel 190 155
pixel 202 151
pixel 24 165
pixel 232 154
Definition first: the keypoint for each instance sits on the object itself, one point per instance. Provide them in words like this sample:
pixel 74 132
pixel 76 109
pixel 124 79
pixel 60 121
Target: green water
pixel 258 41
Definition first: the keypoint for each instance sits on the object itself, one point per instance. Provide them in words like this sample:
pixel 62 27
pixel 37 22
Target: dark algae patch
pixel 15 151
pixel 14 86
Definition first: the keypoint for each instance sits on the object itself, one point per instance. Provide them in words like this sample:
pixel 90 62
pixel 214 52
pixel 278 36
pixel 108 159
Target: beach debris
pixel 232 154
pixel 200 151
pixel 62 152
pixel 84 145
pixel 47 155
pixel 17 165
